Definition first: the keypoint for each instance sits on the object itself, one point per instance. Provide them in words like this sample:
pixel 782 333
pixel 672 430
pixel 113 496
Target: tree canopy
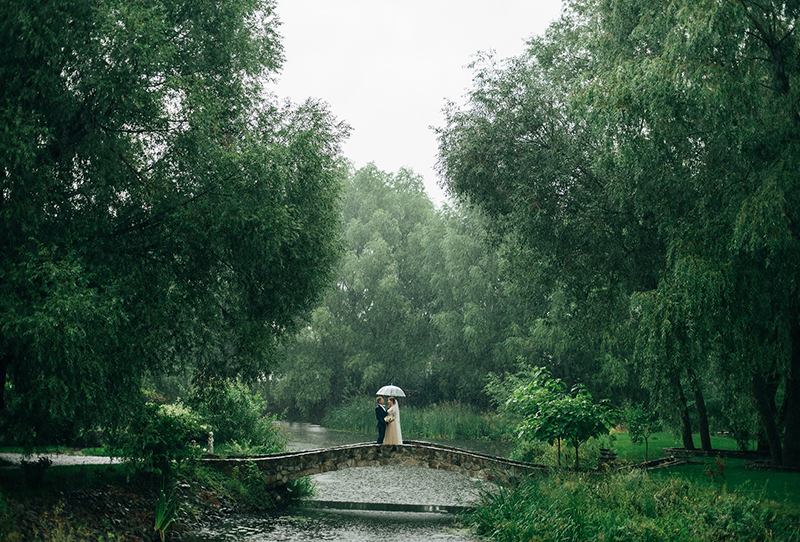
pixel 551 413
pixel 420 300
pixel 158 208
pixel 644 156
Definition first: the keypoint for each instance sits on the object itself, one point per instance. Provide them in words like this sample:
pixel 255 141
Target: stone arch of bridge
pixel 280 469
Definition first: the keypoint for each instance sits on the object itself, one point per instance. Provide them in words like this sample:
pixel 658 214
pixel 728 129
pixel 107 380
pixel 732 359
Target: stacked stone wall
pixel 279 469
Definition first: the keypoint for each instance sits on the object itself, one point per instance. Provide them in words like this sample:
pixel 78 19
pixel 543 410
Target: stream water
pixel 364 504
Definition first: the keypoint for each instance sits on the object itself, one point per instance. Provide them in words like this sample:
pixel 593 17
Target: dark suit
pixel 380 414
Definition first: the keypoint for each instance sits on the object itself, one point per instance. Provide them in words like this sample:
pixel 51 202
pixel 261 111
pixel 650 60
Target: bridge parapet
pixel 279 469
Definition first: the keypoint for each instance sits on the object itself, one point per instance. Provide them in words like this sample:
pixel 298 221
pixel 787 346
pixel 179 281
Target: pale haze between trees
pixel 387 68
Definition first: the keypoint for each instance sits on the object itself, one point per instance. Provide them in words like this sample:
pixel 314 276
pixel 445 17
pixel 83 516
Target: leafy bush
pixel 533 452
pixel 247 483
pixel 158 436
pixel 235 413
pixel 244 486
pixel 34 470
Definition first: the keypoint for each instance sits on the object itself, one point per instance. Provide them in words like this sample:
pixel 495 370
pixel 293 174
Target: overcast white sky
pixel 386 68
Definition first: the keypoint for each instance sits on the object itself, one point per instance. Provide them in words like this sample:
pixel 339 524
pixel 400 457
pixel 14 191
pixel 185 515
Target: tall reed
pixel 443 421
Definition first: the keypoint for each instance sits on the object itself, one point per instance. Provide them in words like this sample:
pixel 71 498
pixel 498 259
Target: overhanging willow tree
pixel 157 210
pixel 647 152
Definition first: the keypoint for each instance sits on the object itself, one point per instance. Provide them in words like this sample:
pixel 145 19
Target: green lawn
pixel 770 485
pixel 762 485
pixel 635 452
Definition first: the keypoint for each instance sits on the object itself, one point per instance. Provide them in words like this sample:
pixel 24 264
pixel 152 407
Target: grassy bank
pixel 102 502
pixel 710 499
pixel 632 506
pixel 778 486
pixel 441 421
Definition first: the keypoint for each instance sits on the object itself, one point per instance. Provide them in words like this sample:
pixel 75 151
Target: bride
pixel 394 435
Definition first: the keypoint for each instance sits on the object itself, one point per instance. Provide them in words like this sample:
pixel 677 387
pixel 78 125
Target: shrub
pixel 34 470
pixel 158 436
pixel 247 485
pixel 247 448
pixel 553 414
pixel 235 413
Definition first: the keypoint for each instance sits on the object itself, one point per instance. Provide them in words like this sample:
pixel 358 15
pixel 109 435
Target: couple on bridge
pixel 389 431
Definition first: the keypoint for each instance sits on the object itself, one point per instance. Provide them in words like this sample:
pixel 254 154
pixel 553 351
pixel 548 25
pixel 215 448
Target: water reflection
pixel 308 436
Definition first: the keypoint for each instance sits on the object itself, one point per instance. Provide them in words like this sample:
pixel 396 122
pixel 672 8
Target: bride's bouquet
pixel 388 419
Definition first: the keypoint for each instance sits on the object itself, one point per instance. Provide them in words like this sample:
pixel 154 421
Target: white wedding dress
pixel 394 435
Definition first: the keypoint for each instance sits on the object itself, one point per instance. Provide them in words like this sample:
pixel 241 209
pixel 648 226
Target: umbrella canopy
pixel 391 391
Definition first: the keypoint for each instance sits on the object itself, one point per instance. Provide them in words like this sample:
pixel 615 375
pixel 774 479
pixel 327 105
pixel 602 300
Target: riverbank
pixel 112 512
pixel 95 502
pixel 100 502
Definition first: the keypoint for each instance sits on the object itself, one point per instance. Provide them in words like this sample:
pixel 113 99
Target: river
pixel 364 504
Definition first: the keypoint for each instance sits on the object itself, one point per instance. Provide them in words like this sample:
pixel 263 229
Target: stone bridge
pixel 279 469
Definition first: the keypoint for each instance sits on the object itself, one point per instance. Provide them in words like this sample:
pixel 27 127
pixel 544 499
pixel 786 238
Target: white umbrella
pixel 391 391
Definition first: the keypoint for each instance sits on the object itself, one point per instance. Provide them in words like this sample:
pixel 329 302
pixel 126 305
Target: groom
pixel 380 414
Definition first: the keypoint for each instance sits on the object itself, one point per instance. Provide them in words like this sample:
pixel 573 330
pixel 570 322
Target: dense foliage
pixel 627 507
pixel 420 300
pixel 157 211
pixel 552 413
pixel 642 157
pixel 159 437
pixel 237 414
pixel 625 215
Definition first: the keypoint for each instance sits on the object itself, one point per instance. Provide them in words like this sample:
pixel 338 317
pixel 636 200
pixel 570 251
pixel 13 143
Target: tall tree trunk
pixel 686 420
pixel 702 413
pixel 558 453
pixel 764 395
pixel 791 439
